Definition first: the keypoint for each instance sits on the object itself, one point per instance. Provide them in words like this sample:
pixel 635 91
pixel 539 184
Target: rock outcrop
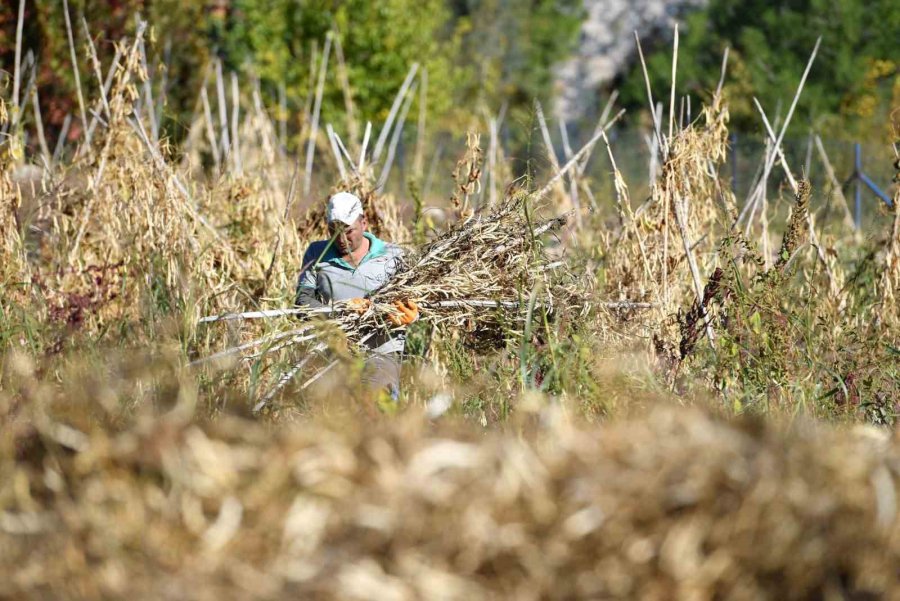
pixel 607 47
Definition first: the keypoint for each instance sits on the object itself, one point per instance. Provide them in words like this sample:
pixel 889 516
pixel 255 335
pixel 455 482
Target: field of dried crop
pixel 677 395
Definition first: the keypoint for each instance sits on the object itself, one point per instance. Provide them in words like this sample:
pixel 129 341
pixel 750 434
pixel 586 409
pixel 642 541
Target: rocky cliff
pixel 607 47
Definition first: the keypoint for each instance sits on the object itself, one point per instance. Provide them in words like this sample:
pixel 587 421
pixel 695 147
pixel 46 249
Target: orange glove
pixel 360 305
pixel 407 312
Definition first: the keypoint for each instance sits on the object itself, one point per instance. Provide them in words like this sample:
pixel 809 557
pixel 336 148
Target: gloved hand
pixel 360 305
pixel 407 312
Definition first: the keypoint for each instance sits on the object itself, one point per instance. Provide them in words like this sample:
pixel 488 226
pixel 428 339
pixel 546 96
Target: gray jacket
pixel 326 278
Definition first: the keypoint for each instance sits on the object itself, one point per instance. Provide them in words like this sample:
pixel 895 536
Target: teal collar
pixel 377 248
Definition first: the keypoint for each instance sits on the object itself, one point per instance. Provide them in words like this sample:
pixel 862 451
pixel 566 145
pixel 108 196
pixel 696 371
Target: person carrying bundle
pixel 349 266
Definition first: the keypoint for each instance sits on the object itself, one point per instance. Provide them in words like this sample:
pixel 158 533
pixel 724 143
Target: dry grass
pixel 675 504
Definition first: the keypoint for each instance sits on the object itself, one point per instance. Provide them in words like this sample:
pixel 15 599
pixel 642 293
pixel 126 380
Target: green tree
pixel 852 81
pixel 380 40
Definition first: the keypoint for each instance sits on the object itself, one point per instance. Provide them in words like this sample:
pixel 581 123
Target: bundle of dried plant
pixel 484 277
pixel 676 504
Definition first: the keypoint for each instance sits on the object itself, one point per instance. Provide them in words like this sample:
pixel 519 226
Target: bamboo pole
pixel 17 75
pixel 418 163
pixel 721 83
pixel 61 140
pixel 210 129
pixel 19 112
pixel 656 125
pixel 223 114
pixel 282 115
pixel 95 63
pixel 311 92
pixel 265 126
pixel 251 344
pixel 163 96
pixel 601 123
pixel 586 149
pixel 336 152
pixel 80 96
pixel 814 238
pixel 573 175
pixel 680 206
pixel 148 89
pixel 352 126
pixel 548 142
pixel 289 375
pixel 365 145
pixel 652 163
pixel 395 139
pixel 492 163
pixel 345 152
pixel 314 131
pixel 105 86
pixel 39 125
pixel 235 134
pixel 836 185
pixel 770 160
pixel 432 169
pixel 778 152
pixel 385 131
pixel 672 93
pixel 444 304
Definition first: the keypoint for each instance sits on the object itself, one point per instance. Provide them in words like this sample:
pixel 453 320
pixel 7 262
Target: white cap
pixel 344 207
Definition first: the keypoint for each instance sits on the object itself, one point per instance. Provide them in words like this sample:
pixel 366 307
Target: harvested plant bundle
pixel 674 505
pixel 471 278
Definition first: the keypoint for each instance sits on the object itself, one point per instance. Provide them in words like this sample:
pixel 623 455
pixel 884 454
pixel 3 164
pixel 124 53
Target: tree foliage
pixel 853 83
pixel 479 54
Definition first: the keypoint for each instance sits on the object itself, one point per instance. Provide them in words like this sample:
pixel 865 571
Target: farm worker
pixel 350 266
